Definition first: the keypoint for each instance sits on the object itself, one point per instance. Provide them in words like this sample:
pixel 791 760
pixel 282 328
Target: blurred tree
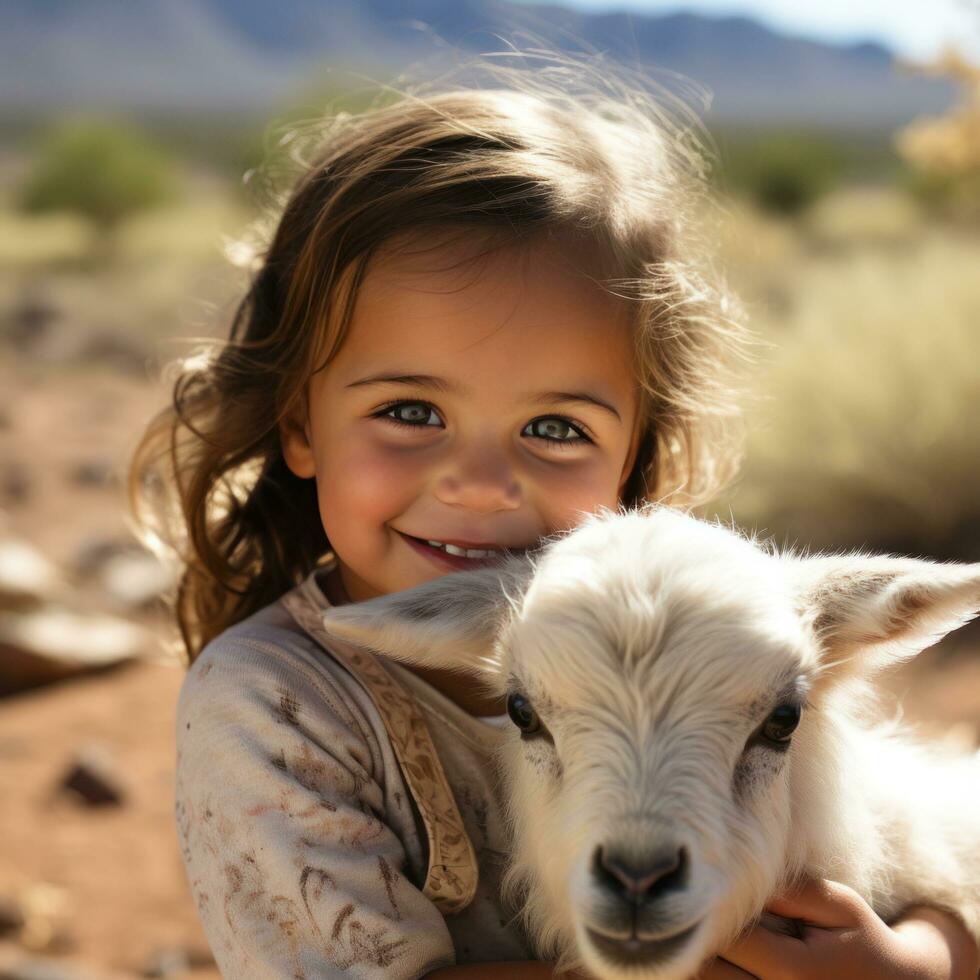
pixel 783 171
pixel 944 151
pixel 99 168
pixel 272 156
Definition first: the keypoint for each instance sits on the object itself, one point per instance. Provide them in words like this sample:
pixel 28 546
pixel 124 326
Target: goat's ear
pixel 868 612
pixel 449 622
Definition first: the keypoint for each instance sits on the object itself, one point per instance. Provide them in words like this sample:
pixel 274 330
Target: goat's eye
pixel 781 724
pixel 522 713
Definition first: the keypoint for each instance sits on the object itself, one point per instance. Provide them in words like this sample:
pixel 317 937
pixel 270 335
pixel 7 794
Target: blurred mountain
pixel 253 55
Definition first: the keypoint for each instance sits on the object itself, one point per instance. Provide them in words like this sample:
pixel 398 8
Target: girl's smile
pixel 447 555
pixel 481 400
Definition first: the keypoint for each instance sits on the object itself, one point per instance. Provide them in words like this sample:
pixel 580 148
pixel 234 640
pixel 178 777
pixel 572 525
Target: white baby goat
pixel 693 729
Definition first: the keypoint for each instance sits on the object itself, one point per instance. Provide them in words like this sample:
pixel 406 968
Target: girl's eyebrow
pixel 441 384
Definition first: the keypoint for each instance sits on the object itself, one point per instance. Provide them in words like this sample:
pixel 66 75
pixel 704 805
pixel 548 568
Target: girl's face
pixel 483 405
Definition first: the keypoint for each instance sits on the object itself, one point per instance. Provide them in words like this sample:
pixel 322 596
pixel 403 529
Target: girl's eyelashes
pixel 562 425
pixel 419 412
pixel 419 420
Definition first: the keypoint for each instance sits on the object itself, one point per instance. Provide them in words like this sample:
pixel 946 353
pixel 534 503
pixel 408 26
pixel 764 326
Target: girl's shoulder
pixel 295 825
pixel 268 668
pixel 283 757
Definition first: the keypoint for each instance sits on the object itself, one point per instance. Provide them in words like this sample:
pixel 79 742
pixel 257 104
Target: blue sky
pixel 915 28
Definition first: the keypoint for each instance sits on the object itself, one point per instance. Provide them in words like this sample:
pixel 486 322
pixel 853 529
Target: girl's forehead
pixel 455 296
pixel 452 254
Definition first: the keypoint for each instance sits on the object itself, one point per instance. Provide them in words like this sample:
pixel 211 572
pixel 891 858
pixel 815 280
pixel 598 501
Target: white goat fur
pixel 652 646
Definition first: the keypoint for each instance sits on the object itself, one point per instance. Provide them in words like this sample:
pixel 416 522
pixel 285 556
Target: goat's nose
pixel 642 878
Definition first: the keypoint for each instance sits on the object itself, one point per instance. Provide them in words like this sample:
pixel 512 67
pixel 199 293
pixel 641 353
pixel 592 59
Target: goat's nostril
pixel 640 879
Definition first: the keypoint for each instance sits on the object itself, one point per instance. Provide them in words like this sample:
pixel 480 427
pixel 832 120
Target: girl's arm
pixel 944 937
pixel 844 938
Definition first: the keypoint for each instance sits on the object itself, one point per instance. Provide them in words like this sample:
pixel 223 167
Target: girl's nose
pixel 479 479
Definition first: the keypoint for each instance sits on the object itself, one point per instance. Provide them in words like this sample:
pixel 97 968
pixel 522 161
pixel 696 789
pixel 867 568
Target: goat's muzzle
pixel 632 920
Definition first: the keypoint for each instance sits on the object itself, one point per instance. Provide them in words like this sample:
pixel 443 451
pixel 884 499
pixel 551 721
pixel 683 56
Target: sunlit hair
pixel 558 145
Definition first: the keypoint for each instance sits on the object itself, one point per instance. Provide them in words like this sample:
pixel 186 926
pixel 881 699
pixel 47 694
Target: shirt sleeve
pixel 279 813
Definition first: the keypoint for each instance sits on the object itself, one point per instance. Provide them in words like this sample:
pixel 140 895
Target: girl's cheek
pixel 368 473
pixel 575 487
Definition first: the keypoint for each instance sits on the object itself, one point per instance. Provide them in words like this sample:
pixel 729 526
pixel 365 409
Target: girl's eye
pixel 415 414
pixel 556 430
pixel 553 429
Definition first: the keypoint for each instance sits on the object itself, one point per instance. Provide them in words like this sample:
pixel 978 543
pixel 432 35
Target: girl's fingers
pixel 822 907
pixel 819 905
pixel 827 904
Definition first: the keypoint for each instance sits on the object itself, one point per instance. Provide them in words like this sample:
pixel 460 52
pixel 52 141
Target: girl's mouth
pixel 444 559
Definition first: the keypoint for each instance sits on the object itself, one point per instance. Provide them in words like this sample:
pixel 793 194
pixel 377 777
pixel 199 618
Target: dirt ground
pixel 118 869
pixel 110 878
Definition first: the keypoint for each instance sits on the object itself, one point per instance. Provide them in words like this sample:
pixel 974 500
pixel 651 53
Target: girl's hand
pixel 842 937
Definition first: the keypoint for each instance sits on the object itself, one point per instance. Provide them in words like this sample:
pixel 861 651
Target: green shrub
pixel 265 159
pixel 783 172
pixel 98 168
pixel 943 195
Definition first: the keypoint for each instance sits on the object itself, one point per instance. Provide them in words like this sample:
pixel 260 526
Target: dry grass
pixel 865 432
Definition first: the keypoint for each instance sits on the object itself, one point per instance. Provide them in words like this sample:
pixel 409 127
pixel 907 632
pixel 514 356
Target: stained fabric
pixel 304 850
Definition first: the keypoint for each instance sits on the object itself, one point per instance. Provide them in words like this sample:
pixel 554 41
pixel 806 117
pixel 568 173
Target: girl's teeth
pixel 461 552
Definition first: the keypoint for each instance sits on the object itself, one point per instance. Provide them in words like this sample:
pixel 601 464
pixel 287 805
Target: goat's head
pixel 665 678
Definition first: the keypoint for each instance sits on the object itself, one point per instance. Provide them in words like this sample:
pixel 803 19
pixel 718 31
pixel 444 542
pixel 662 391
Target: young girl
pixel 479 318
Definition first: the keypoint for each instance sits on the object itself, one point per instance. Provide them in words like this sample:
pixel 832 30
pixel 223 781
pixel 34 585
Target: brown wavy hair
pixel 565 146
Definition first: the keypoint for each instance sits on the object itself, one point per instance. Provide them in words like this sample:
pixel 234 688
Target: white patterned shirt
pixel 303 848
